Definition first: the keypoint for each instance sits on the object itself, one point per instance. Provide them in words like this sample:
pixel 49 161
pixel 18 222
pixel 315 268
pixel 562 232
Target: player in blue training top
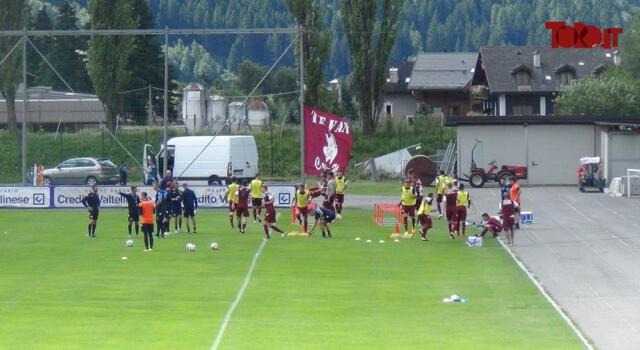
pixel 323 216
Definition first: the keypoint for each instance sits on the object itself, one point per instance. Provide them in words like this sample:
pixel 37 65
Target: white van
pixel 226 156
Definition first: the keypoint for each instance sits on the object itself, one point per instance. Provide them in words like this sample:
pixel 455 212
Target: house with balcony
pixel 440 82
pixel 523 81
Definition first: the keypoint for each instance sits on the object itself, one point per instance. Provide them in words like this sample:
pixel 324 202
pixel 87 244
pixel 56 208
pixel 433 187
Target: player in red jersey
pixel 242 205
pixel 490 224
pixel 451 209
pixel 270 214
pixel 508 207
pixel 417 187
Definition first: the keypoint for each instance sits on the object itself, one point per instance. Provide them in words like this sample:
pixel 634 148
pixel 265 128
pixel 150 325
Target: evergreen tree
pixel 67 55
pixel 146 66
pixel 108 64
pixel 35 64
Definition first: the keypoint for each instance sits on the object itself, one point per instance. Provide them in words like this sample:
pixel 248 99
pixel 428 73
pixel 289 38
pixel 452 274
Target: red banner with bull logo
pixel 327 141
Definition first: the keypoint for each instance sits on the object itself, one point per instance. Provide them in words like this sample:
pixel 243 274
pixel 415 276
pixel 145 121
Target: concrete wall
pixel 402 105
pixel 551 152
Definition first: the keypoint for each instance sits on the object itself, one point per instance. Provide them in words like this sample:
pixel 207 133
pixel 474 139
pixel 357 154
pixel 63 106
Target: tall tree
pixel 146 65
pixel 12 17
pixel 108 64
pixel 67 54
pixel 316 43
pixel 371 28
pixel 34 62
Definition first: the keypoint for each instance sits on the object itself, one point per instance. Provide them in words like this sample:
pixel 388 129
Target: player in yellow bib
pixel 301 202
pixel 424 216
pixel 463 202
pixel 231 192
pixel 341 187
pixel 256 197
pixel 441 185
pixel 408 204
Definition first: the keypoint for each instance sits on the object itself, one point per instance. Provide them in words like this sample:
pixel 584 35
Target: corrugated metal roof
pixel 48 106
pixel 442 70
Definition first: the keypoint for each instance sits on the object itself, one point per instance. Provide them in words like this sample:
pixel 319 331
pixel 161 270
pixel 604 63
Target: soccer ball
pixel 214 246
pixel 129 243
pixel 191 247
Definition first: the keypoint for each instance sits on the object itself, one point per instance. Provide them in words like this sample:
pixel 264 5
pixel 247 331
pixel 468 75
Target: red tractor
pixel 479 176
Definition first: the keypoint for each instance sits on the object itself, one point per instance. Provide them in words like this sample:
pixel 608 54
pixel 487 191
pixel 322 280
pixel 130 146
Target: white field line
pixel 538 285
pixel 553 303
pixel 236 301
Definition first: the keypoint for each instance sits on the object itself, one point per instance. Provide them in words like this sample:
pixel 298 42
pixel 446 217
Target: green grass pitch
pixel 62 290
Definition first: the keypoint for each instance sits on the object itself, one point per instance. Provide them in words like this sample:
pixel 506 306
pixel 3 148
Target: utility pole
pixel 301 66
pixel 150 108
pixel 166 98
pixel 25 105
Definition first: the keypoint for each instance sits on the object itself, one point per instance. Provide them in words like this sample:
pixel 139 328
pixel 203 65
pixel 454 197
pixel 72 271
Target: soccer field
pixel 62 290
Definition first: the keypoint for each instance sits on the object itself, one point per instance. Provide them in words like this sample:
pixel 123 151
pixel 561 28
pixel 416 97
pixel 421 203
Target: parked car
pixel 82 171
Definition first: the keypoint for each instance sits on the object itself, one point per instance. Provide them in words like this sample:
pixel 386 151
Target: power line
pixel 111 32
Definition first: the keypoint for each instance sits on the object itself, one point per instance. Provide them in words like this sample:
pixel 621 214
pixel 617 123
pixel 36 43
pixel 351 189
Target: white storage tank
pixel 193 107
pixel 236 112
pixel 216 111
pixel 258 114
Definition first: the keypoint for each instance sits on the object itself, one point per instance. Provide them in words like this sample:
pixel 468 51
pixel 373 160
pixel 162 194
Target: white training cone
pixel 396 240
pixel 357 238
pixel 368 241
pixel 381 241
pixel 124 258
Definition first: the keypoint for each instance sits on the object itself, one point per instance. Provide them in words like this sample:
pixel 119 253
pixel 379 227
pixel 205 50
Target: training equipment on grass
pixel 357 238
pixel 297 234
pixel 214 246
pixel 294 211
pixel 387 214
pixel 396 240
pixel 369 241
pixel 129 243
pixel 124 258
pixel 474 242
pixel 454 298
pixel 191 247
pixel 381 241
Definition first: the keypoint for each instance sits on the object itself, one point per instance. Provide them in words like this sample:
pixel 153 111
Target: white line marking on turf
pixel 236 301
pixel 553 303
pixel 538 285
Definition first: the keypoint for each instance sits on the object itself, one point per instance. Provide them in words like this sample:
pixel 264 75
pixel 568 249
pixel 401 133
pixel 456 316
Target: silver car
pixel 82 171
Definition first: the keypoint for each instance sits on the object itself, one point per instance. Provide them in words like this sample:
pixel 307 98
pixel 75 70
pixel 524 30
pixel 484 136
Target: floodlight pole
pixel 166 98
pixel 301 66
pixel 25 103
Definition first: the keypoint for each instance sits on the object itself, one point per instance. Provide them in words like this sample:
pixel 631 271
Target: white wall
pixel 555 149
pixel 623 152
